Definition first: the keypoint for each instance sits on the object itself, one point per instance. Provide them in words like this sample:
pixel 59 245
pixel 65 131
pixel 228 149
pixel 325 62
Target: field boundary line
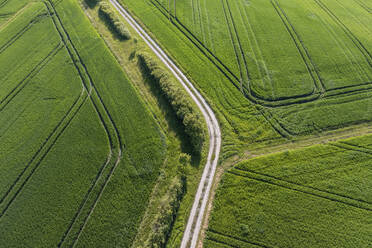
pixel 296 188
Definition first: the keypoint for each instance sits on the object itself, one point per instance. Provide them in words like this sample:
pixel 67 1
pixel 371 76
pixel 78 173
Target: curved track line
pixel 191 233
pixel 86 206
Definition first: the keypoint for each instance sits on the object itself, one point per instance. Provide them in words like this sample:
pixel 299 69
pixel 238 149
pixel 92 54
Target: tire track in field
pixel 4 3
pixel 200 17
pixel 39 156
pixel 13 16
pixel 305 55
pixel 19 34
pixel 225 70
pixel 25 81
pixel 343 47
pixel 93 195
pixel 234 238
pixel 7 199
pixel 301 189
pixel 246 75
pixel 202 48
pixel 352 147
pixel 364 6
pixel 228 74
pixel 193 12
pixel 256 49
pixel 220 242
pixel 347 31
pixel 208 25
pixel 237 57
pixel 274 123
pixel 350 57
pixel 355 17
pixel 307 186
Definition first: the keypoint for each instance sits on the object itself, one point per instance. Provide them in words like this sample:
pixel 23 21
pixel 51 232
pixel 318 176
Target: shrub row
pixel 164 220
pixel 178 99
pixel 113 20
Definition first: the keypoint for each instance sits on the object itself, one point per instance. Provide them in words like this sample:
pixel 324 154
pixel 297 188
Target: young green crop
pixel 80 152
pixel 317 197
pixel 284 64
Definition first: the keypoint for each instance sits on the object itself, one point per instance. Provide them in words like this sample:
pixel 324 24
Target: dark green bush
pixel 113 20
pixel 178 99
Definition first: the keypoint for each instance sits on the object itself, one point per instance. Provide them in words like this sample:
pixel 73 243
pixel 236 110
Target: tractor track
pixel 301 189
pixel 42 152
pixel 26 80
pixel 105 173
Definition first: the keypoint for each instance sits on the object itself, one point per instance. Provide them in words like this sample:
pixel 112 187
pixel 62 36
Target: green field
pixel 90 145
pixel 319 196
pixel 272 68
pixel 80 151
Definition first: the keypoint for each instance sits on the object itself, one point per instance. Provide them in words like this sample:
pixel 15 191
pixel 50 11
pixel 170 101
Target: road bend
pixel 194 223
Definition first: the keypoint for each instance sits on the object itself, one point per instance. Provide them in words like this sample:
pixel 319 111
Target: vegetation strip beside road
pixel 201 198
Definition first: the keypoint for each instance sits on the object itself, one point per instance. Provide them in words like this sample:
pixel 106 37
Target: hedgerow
pixel 113 20
pixel 178 99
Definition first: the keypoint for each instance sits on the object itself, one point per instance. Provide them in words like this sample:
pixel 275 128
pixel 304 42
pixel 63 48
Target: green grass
pixel 319 196
pixel 74 169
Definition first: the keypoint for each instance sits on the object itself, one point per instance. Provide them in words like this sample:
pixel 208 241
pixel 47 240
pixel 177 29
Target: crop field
pixel 278 65
pixel 273 71
pixel 319 196
pixel 80 151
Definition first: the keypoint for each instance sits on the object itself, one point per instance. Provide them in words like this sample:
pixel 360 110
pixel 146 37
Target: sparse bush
pixel 164 220
pixel 113 20
pixel 178 99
